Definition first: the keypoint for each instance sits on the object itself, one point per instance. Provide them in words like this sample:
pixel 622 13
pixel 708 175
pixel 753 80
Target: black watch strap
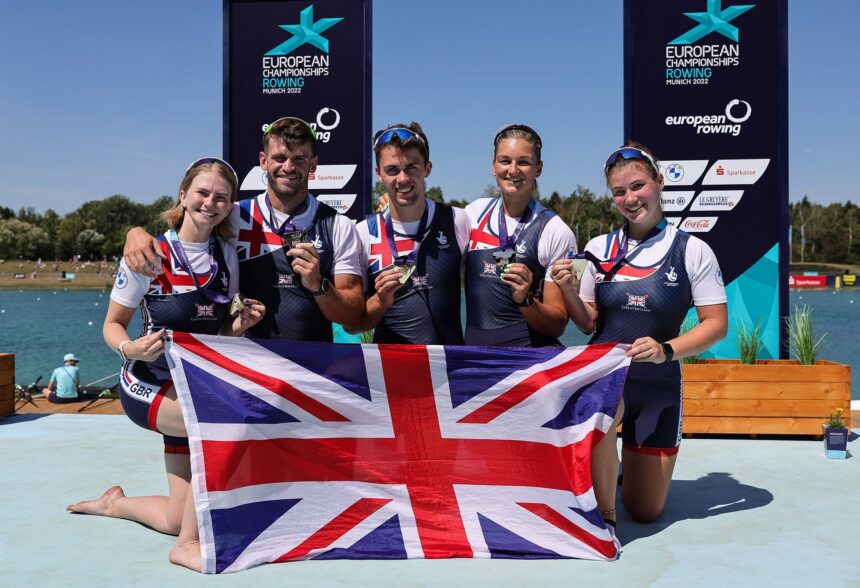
pixel 324 287
pixel 668 352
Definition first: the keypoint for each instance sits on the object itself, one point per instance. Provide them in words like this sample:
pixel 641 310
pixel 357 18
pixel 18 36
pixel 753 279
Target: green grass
pixel 801 335
pixel 750 342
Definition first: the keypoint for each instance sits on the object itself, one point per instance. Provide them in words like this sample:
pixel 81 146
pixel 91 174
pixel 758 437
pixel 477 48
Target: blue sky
pixel 104 97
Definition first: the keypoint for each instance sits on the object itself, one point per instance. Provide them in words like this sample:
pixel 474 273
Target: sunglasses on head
pixel 205 160
pixel 399 132
pixel 537 141
pixel 629 153
pixel 271 126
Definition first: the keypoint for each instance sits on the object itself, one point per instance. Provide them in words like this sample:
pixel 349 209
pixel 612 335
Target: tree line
pixel 819 233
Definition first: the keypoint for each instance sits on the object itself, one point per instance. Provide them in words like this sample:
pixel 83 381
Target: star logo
pixel 715 20
pixel 307 31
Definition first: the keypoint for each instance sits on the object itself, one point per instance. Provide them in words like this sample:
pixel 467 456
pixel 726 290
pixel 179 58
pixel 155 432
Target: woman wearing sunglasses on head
pixel 510 299
pixel 194 293
pixel 638 288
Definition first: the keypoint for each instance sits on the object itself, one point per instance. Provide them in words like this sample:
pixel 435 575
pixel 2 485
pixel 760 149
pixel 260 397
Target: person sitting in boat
pixel 65 382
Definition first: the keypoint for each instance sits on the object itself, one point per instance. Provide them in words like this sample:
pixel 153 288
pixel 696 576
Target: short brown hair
pixel 420 142
pixel 292 131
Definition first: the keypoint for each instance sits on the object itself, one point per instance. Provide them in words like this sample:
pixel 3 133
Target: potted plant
pixel 835 436
pixel 752 396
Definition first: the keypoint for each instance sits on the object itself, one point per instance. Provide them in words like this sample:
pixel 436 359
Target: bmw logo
pixel 121 279
pixel 675 172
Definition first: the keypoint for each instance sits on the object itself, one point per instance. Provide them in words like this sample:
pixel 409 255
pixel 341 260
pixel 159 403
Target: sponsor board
pixel 795 281
pixel 676 200
pixel 698 224
pixel 340 202
pixel 735 171
pixel 713 200
pixel 326 177
pixel 682 172
pixel 304 59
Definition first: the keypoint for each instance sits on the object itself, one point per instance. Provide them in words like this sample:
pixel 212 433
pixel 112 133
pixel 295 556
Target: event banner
pixel 310 60
pixel 706 89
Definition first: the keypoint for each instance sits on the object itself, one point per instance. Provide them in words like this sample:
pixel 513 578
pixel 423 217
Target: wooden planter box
pixel 7 384
pixel 771 397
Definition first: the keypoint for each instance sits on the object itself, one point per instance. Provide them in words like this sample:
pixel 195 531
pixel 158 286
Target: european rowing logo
pixel 715 20
pixel 307 31
pixel 688 63
pixel 636 302
pixel 284 72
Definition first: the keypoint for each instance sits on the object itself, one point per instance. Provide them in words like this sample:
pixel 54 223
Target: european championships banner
pixel 310 60
pixel 706 89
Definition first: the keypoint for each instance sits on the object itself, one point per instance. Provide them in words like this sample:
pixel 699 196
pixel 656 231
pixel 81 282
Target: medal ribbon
pixel 287 226
pixel 623 249
pixel 186 266
pixel 412 256
pixel 507 244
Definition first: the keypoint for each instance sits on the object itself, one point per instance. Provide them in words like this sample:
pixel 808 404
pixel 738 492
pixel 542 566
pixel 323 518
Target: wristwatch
pixel 324 286
pixel 668 352
pixel 527 301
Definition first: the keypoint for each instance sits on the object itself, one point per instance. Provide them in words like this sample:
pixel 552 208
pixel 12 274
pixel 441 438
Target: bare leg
pixel 186 551
pixel 169 418
pixel 162 513
pixel 604 468
pixel 646 483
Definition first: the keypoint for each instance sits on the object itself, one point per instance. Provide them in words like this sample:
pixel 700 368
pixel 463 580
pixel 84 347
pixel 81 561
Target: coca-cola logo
pixel 699 224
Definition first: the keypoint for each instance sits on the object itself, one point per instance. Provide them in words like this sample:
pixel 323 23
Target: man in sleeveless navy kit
pixel 296 255
pixel 413 252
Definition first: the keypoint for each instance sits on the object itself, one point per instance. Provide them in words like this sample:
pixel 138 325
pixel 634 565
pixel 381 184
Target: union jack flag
pixel 482 237
pixel 174 279
pixel 205 309
pixel 379 254
pixel 636 299
pixel 323 451
pixel 627 271
pixel 255 238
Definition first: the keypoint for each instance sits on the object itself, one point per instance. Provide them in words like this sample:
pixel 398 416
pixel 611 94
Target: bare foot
pixel 187 554
pixel 99 506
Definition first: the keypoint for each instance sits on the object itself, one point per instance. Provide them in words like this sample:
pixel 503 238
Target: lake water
pixel 40 326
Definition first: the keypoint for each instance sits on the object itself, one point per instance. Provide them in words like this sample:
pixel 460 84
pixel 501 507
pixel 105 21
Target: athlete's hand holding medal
pixel 567 272
pixel 247 312
pixel 519 277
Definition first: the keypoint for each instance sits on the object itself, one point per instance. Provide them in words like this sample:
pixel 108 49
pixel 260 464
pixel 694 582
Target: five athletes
pixel 301 266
